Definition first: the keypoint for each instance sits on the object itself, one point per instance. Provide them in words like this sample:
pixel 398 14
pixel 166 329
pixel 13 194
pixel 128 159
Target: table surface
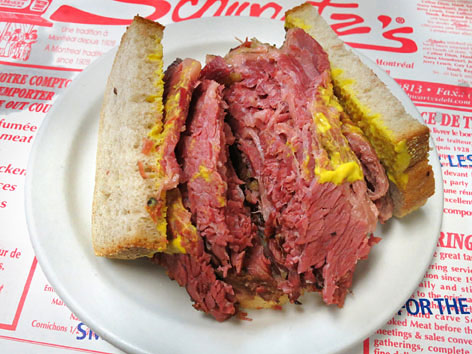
pixel 425 45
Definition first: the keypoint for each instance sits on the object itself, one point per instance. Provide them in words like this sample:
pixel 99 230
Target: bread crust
pixel 414 195
pixel 355 82
pixel 121 226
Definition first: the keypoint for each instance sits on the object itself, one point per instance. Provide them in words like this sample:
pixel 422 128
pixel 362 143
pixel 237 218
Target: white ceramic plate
pixel 133 304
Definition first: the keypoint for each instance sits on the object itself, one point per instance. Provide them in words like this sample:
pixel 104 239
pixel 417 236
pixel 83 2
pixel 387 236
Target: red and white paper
pixel 425 45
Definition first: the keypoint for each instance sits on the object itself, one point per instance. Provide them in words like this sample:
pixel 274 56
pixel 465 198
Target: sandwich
pixel 400 141
pixel 259 177
pixel 136 164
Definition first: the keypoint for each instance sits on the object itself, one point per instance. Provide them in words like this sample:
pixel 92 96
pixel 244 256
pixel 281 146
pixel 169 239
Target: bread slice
pixel 132 105
pixel 401 142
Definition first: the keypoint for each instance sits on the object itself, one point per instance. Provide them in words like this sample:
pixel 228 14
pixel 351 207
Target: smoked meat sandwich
pixel 258 177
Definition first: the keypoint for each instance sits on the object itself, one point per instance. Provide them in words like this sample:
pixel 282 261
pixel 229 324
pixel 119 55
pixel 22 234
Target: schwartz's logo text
pixel 394 35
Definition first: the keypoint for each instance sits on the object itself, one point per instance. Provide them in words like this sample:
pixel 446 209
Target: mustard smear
pixel 179 224
pixel 161 221
pixel 293 21
pixel 292 148
pixel 348 171
pixel 158 83
pixel 328 97
pixel 156 99
pixel 206 174
pixel 175 246
pixel 203 172
pixel 395 156
pixel 160 131
pixel 322 122
pixel 338 163
pixel 221 201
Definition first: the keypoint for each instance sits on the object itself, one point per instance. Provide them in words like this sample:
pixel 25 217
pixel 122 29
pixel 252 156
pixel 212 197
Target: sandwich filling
pixel 193 270
pixel 180 81
pixel 311 190
pixel 377 132
pixel 272 189
pixel 214 196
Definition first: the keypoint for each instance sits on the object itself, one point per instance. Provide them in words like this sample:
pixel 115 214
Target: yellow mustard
pixel 395 156
pixel 175 246
pixel 158 83
pixel 339 164
pixel 292 21
pixel 203 172
pixel 322 122
pixel 348 171
pixel 156 98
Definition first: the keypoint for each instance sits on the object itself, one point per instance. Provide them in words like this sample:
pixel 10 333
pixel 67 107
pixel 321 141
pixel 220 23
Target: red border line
pixel 39 66
pixel 452 108
pixel 53 345
pixel 12 326
pixel 366 346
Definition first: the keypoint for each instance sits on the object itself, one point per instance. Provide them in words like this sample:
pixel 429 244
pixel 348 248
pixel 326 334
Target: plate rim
pixel 42 258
